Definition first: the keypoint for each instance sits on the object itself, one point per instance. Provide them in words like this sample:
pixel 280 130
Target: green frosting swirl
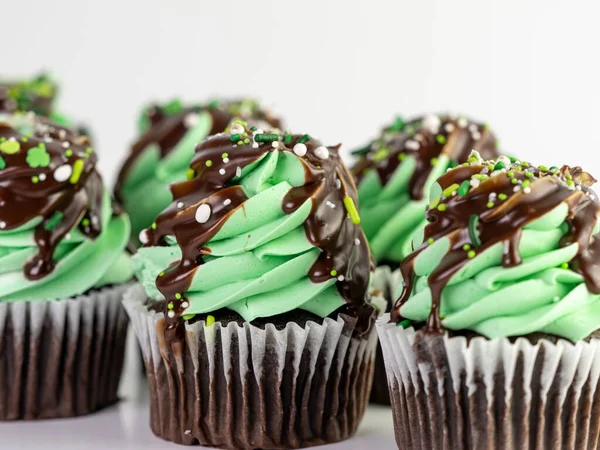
pixel 81 263
pixel 542 294
pixel 260 259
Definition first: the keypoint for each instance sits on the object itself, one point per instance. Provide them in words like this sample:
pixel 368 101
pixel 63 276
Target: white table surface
pixel 126 425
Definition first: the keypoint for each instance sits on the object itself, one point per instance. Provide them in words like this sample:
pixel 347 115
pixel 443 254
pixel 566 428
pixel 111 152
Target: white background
pixel 336 69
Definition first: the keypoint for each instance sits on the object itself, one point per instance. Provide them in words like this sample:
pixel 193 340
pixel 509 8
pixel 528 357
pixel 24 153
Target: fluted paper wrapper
pixel 61 358
pixel 491 394
pixel 244 387
pixel 386 281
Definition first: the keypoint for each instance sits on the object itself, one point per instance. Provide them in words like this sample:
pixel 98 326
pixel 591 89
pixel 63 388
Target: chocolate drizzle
pixel 47 171
pixel 427 138
pixel 502 198
pixel 168 124
pixel 345 254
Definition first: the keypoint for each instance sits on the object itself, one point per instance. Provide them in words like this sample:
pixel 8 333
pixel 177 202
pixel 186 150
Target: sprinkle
pixel 236 130
pixel 210 320
pixel 510 174
pixel 450 189
pixel 543 168
pixel 304 138
pixel 63 173
pixel 338 183
pixel 170 305
pixel 35 179
pixel 341 278
pixel 474 157
pixel 490 204
pixel 10 147
pixel 357 242
pixel 430 241
pixel 398 125
pixel 514 181
pixel 255 145
pixel 564 266
pixel 499 166
pixel 238 172
pixel 449 128
pixel 473 231
pixel 178 296
pixel 333 272
pixel 2 163
pixel 180 205
pixel 257 131
pixel 432 123
pixel 330 204
pixel 203 213
pixel 227 202
pixel 474 182
pixel 401 156
pixel 433 161
pixel 77 171
pixel 143 237
pixel 404 323
pixel 502 196
pixel 222 171
pixel 190 120
pixel 85 222
pixel 467 247
pixel 275 144
pixel 464 188
pixel 266 137
pixel 184 305
pixel 322 152
pixel 153 226
pixel 471 254
pixel 68 153
pixel 476 135
pixel 527 190
pixel 529 174
pixel 412 145
pixel 526 183
pixel 161 274
pixel 171 314
pixel 517 188
pixel 225 160
pixel 300 149
pixel 2 224
pixel 235 137
pixel 208 163
pixel 462 122
pixel 442 207
pixel 189 174
pixel 352 212
pixel 525 164
pixel 441 139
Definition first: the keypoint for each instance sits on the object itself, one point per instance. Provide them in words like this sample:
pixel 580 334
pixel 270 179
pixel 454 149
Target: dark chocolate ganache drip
pixel 487 202
pixel 48 172
pixel 36 94
pixel 426 138
pixel 166 125
pixel 204 203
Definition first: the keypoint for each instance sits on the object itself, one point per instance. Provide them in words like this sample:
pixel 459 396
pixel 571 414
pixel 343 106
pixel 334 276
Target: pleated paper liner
pixel 61 358
pixel 454 393
pixel 245 387
pixel 386 281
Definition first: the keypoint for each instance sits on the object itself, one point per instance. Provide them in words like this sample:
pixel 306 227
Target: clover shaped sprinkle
pixel 38 156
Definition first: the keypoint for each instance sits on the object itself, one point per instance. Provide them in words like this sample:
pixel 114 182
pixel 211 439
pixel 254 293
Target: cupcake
pixel 62 274
pixel 162 154
pixel 252 311
pixel 394 175
pixel 493 340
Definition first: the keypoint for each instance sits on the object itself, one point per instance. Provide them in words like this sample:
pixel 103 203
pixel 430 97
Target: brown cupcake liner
pixel 245 387
pixel 450 393
pixel 61 358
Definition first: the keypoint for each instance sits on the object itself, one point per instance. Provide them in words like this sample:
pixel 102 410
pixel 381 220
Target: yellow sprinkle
pixel 352 212
pixel 210 320
pixel 77 170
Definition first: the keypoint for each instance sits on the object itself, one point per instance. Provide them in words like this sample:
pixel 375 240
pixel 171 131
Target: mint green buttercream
pixel 260 259
pixel 81 263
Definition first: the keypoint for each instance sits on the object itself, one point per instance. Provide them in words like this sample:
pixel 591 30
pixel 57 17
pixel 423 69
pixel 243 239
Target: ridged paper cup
pixel 454 393
pixel 245 387
pixel 384 280
pixel 61 358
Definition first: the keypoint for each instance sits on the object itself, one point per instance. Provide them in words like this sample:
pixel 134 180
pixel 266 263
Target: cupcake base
pixel 232 386
pixel 459 393
pixel 61 358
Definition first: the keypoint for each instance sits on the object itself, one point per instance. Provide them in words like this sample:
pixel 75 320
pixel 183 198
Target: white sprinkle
pixel 180 205
pixel 42 177
pixel 432 123
pixel 68 236
pixel 227 202
pixel 236 128
pixel 95 220
pixel 462 122
pixel 300 149
pixel 449 128
pixel 203 213
pixel 65 144
pixel 62 134
pixel 357 242
pixel 527 190
pixel 476 135
pixel 492 196
pixel 255 145
pixel 238 172
pixel 412 145
pixel 190 120
pixel 505 160
pixel 338 183
pixel 185 304
pixel 225 160
pixel 322 152
pixel 2 224
pixel 48 139
pixel 341 278
pixel 188 432
pixel 259 131
pixel 474 182
pixel 419 137
pixel 275 144
pixel 171 314
pixel 517 188
pixel 143 237
pixel 473 128
pixel 330 204
pixel 63 173
pixel 222 171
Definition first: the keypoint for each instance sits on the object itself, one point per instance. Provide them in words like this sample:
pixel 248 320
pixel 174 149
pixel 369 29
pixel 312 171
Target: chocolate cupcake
pixel 394 175
pixel 253 312
pixel 62 270
pixel 162 154
pixel 492 342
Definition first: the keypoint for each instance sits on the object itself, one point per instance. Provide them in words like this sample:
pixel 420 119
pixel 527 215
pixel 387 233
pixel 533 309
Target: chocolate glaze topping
pixel 484 203
pixel 427 138
pixel 35 95
pixel 47 171
pixel 166 125
pixel 345 254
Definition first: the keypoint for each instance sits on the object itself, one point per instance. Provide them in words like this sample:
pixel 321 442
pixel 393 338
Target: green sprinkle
pixel 208 163
pixel 510 174
pixel 401 156
pixel 480 177
pixel 525 164
pixel 441 139
pixel 543 168
pixel 499 166
pixel 430 241
pixel 85 222
pixel 153 226
pixel 569 176
pixel 473 159
pixel 333 273
pixel 441 207
pixel 161 274
pixel 352 212
pixel 433 161
pixel 553 169
pixel 464 188
pixel 68 153
pixel 410 130
pixel 564 266
pixel 35 179
pixel 471 254
pixel 178 296
pixel 38 157
pixel 253 128
pixel 514 181
pixel 398 125
pixel 404 323
pixel 77 171
pixel 190 174
pixel 518 168
pixel 467 247
pixel 10 147
pixel 502 196
pixel 434 202
pixel 490 204
pixel 287 138
pixel 2 163
pixel 235 137
pixel 381 154
pixel 89 151
pixel 240 142
pixel 53 221
pixel 452 164
pixel 173 107
pixel 490 167
pixel 526 183
pixel 210 320
pixel 304 139
pixel 170 305
pixel 265 137
pixel 570 183
pixel 473 231
pixel 529 174
pixel 225 155
pixel 450 189
pixel 246 141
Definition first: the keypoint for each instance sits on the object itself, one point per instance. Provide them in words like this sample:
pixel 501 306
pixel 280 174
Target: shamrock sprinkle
pixel 38 156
